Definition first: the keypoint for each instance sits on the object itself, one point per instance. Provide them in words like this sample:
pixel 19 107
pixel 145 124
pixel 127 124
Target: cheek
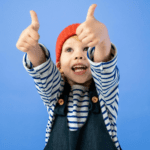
pixel 63 64
pixel 64 60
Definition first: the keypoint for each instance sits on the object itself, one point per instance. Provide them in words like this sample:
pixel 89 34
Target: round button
pixel 61 101
pixel 94 99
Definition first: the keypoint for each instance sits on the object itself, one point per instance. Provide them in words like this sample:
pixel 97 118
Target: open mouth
pixel 79 69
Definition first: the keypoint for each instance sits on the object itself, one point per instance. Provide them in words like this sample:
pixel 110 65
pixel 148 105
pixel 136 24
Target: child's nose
pixel 78 57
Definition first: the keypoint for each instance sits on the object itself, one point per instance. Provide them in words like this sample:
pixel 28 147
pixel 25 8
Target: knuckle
pixel 18 44
pixel 83 41
pixel 30 30
pixel 37 36
pixel 34 35
pixel 88 30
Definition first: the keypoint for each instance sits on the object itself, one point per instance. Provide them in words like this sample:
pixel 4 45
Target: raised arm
pixel 28 42
pixel 38 63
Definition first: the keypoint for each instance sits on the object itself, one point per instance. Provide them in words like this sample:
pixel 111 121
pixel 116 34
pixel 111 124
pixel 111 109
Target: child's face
pixel 73 52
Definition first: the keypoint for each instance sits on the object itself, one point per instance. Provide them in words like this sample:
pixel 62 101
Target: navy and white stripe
pixel 106 77
pixel 78 103
pixel 50 85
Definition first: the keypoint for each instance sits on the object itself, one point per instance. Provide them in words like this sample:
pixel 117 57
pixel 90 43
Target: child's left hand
pixel 92 32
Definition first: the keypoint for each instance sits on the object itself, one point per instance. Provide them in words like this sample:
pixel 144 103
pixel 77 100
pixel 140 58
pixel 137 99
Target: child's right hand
pixel 29 37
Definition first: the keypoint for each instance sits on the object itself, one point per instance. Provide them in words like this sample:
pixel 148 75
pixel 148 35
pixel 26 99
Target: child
pixel 81 90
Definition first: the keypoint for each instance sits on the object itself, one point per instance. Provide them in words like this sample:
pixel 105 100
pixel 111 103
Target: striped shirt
pixel 50 85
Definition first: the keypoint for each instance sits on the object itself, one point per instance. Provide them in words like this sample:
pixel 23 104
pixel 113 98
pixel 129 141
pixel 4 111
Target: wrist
pixel 103 51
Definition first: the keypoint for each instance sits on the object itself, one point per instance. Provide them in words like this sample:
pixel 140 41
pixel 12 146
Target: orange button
pixel 94 99
pixel 61 101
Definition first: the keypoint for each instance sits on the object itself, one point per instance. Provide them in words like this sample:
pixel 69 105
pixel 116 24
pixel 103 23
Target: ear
pixel 61 71
pixel 58 64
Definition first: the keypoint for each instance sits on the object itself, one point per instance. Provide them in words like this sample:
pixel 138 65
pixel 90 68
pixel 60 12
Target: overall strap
pixel 94 106
pixel 62 109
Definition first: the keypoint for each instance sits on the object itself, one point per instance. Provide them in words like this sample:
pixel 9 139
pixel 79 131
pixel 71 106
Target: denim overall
pixel 92 136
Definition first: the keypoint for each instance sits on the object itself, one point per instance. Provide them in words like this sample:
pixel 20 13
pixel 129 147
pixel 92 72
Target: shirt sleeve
pixel 106 77
pixel 47 78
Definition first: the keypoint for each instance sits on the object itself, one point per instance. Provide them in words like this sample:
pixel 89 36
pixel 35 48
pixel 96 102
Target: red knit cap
pixel 63 36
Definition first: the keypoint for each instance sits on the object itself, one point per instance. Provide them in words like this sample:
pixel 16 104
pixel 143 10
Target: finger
pixel 79 29
pixel 92 43
pixel 31 42
pixel 34 34
pixel 35 22
pixel 23 49
pixel 23 46
pixel 91 11
pixel 82 35
pixel 88 39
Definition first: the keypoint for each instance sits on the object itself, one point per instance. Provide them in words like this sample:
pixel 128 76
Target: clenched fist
pixel 92 32
pixel 29 37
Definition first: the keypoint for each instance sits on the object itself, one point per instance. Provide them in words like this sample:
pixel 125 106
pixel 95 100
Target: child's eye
pixel 68 49
pixel 86 48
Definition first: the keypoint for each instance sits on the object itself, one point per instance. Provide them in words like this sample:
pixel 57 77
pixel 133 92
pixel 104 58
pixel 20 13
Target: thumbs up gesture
pixel 29 37
pixel 91 32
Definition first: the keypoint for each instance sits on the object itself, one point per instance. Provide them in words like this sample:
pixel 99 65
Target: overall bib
pixel 92 136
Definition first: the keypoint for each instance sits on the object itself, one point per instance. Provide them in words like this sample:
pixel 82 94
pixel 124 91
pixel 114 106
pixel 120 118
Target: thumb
pixel 34 19
pixel 91 11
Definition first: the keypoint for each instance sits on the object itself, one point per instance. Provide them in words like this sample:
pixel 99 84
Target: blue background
pixel 23 116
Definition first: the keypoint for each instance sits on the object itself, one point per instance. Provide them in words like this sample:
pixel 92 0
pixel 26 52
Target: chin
pixel 80 82
pixel 72 82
